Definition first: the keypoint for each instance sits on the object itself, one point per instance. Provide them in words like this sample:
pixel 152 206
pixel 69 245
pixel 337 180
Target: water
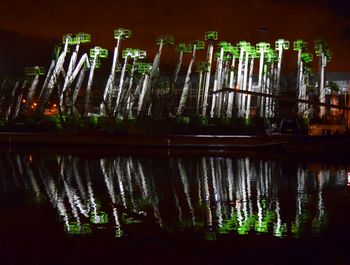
pixel 65 209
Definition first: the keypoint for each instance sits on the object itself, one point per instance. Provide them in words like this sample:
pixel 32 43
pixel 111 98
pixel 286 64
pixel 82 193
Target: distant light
pixel 24 100
pixel 32 107
pixel 35 104
pixel 54 105
pixel 348 179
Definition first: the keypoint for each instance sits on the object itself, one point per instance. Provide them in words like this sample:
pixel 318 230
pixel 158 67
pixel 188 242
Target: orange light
pixel 54 105
pixel 32 107
pixel 24 100
pixel 35 104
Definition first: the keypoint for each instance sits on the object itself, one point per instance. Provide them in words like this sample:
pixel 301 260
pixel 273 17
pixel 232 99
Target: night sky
pixel 29 29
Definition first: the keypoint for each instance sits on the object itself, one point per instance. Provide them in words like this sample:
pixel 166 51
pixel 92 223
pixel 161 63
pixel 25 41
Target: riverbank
pixel 91 141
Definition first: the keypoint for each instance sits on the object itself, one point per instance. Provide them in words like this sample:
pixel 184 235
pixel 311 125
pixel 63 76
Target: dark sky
pixel 29 29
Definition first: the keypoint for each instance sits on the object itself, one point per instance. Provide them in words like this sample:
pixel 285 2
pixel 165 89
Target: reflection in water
pixel 210 194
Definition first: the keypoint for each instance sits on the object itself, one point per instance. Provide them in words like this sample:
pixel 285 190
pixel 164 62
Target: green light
pixel 144 68
pixel 229 225
pixel 98 63
pixel 77 39
pixel 128 52
pixel 102 53
pixel 280 231
pixel 224 58
pixel 122 33
pixel 181 47
pixel 67 37
pixel 200 45
pixel 183 119
pixel 188 48
pixel 243 45
pixel 30 71
pixel 262 47
pixel 139 54
pixel 281 44
pixel 233 50
pixel 322 47
pixel 224 44
pixel 118 233
pixel 253 53
pixel 243 230
pixel 261 227
pixel 129 67
pixel 99 218
pixel 306 57
pixel 211 35
pixel 270 56
pixel 309 70
pixel 78 229
pixel 130 220
pixel 57 50
pixel 299 45
pixel 201 67
pixel 166 40
pixel 84 37
pixel 328 55
pixel 295 230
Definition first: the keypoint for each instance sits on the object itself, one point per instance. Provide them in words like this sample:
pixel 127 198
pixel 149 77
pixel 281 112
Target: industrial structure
pixel 237 81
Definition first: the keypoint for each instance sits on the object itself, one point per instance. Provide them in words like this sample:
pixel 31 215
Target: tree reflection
pixel 209 194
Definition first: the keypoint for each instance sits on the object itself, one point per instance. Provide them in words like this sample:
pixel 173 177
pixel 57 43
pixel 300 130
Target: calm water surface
pixel 63 209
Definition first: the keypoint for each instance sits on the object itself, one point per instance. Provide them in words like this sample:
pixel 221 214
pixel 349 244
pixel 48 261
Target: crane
pixel 261 49
pixel 216 101
pixel 325 55
pixel 95 54
pixel 196 45
pixel 210 36
pixel 119 34
pixel 73 68
pixel 136 55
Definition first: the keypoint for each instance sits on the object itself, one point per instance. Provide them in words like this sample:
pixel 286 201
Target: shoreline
pixel 100 142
